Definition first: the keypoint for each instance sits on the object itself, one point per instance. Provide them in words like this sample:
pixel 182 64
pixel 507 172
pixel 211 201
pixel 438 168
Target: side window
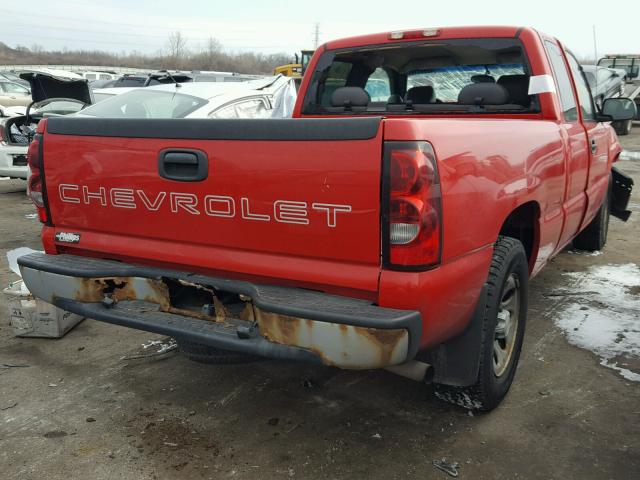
pixel 584 94
pixel 15 88
pixel 565 90
pixel 378 86
pixel 253 108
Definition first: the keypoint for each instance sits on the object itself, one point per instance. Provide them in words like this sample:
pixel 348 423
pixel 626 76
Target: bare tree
pixel 177 46
pixel 212 52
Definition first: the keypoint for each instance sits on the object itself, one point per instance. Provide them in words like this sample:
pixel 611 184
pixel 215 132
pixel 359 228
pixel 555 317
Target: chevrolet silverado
pixel 394 222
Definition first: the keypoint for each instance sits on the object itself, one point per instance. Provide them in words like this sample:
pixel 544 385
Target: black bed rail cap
pixel 218 129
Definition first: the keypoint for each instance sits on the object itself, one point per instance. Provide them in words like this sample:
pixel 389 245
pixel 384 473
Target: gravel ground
pixel 84 408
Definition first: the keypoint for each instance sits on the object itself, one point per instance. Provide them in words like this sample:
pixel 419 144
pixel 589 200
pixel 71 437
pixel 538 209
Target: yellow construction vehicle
pixel 296 69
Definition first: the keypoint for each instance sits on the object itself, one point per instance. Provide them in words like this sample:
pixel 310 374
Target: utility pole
pixel 595 46
pixel 316 35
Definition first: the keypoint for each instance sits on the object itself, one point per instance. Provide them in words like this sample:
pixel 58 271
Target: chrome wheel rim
pixel 506 330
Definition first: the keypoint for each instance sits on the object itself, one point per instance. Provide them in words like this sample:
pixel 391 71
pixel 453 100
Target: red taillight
pixel 412 221
pixel 35 184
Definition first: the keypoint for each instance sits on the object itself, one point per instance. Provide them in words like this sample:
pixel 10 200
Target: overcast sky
pixel 288 26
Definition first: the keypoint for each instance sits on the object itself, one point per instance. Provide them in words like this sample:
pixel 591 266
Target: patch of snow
pixel 602 313
pixel 597 253
pixel 630 155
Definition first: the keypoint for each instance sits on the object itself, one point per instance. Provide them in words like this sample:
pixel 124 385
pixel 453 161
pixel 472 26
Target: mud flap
pixel 620 194
pixel 456 362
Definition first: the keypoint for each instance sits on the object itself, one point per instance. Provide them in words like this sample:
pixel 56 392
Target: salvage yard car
pixel 604 82
pixel 399 233
pixel 13 94
pixel 49 96
pixel 253 99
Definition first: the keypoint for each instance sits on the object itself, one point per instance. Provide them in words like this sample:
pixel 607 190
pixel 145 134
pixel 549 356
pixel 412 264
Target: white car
pixel 13 158
pixel 92 76
pixel 271 97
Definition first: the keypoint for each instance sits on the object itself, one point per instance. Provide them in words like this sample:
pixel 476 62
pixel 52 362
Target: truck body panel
pixel 297 206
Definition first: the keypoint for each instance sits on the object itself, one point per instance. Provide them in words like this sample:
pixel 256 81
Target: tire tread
pixel 474 397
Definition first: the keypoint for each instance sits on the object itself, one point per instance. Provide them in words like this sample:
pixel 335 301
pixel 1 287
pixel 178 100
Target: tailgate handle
pixel 183 165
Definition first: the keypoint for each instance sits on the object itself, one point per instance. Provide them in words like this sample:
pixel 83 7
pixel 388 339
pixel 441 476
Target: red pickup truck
pixel 394 222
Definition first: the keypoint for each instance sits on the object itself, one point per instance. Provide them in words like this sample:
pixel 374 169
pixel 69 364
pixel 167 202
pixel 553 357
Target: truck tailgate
pixel 294 191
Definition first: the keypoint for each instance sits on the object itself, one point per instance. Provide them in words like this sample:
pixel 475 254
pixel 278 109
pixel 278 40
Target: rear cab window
pixel 425 76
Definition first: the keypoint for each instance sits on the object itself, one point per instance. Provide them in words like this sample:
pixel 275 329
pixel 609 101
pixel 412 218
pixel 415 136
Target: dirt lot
pixel 81 410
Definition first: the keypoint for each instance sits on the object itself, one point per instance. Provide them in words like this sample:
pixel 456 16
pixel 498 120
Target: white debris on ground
pixel 154 348
pixel 13 255
pixel 161 346
pixel 601 313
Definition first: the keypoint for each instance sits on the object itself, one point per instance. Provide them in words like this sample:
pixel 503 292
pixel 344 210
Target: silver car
pixel 604 82
pixel 13 94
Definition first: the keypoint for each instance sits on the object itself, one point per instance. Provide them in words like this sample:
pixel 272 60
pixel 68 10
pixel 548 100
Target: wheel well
pixel 522 224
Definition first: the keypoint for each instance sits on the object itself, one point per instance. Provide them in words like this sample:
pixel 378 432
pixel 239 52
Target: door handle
pixel 183 165
pixel 594 146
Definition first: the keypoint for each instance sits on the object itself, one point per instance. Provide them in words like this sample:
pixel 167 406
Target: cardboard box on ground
pixel 33 317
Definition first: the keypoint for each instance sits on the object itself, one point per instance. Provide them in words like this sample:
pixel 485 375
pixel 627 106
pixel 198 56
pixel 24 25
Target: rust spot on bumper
pixel 123 288
pixel 340 345
pixel 337 344
pixel 146 289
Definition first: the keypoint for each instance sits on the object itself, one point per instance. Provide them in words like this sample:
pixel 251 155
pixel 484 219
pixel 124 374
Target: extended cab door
pixel 598 141
pixel 577 149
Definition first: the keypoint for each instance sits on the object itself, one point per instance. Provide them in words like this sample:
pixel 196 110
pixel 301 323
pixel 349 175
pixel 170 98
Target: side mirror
pixel 619 109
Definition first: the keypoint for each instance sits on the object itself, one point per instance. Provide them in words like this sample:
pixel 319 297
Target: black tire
pixel 623 127
pixel 594 237
pixel 211 355
pixel 509 264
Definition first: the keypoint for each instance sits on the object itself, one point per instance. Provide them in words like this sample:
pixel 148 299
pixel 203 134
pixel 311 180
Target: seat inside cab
pixel 424 76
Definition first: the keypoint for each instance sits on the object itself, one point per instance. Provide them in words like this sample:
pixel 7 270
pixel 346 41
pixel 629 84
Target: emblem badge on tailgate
pixel 67 237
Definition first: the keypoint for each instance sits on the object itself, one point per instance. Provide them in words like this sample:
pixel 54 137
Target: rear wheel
pixel 211 355
pixel 594 237
pixel 505 314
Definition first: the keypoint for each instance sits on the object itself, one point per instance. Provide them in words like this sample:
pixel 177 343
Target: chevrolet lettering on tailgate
pixel 283 211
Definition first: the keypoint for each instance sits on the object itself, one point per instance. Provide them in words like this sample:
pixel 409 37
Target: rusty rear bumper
pixel 273 322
